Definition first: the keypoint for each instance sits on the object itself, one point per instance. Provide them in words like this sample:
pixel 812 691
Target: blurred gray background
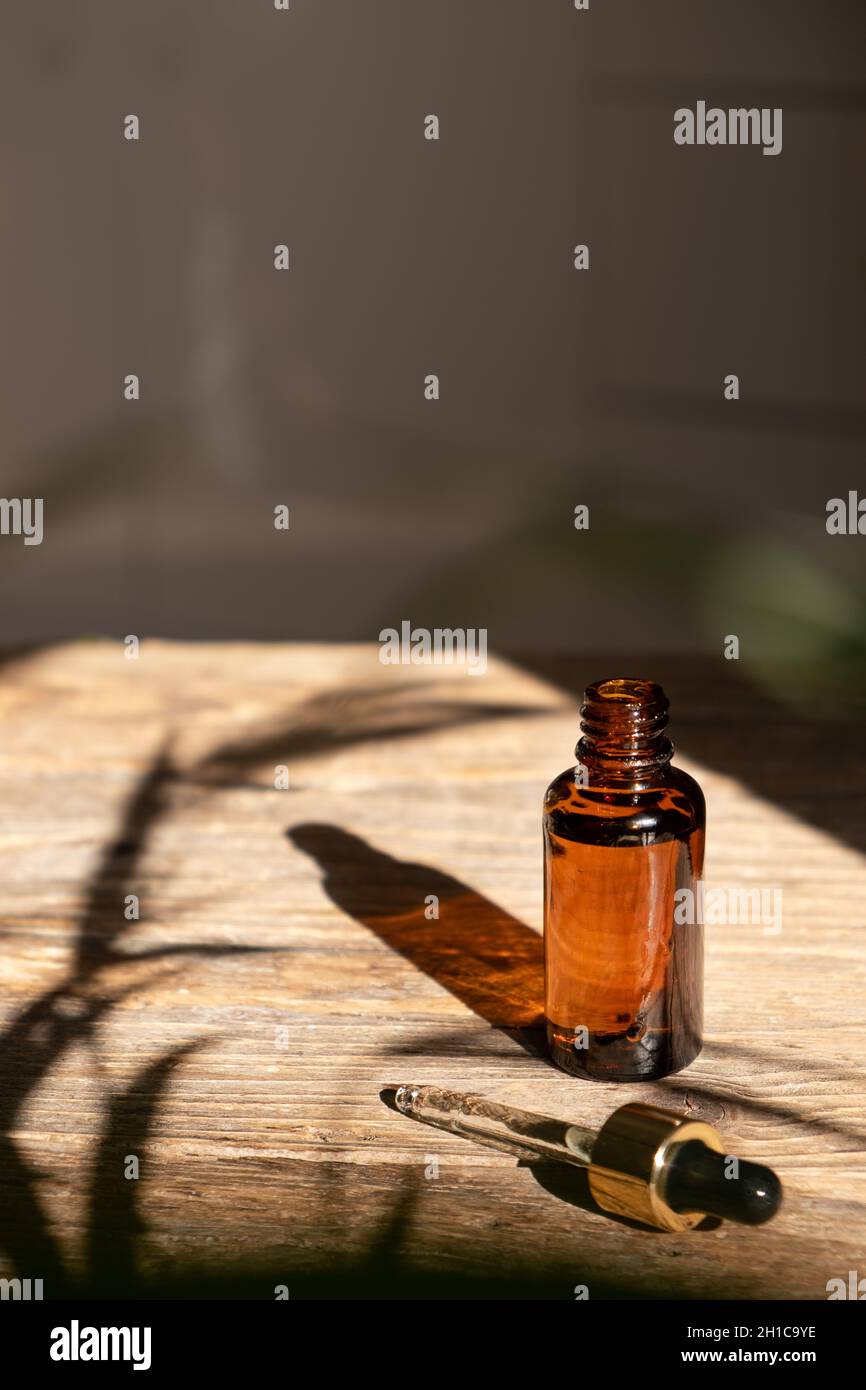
pixel 408 257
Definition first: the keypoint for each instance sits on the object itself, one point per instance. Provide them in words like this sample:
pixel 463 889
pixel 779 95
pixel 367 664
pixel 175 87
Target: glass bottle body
pixel 623 949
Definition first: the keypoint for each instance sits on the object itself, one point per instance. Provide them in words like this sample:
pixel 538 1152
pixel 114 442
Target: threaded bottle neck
pixel 623 722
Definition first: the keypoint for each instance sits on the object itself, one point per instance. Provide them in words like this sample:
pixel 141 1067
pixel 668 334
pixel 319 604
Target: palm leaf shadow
pixel 342 719
pixel 68 1014
pixel 114 1225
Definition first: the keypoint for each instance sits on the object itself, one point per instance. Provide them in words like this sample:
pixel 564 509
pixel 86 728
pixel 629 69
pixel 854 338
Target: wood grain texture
pixel 237 1036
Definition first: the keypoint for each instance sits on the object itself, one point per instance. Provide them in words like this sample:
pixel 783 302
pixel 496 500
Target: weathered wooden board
pixel 236 1037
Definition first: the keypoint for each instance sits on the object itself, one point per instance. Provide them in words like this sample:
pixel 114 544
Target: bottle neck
pixel 623 722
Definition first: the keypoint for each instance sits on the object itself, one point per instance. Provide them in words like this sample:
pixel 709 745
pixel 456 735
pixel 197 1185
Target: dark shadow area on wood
pixel 369 1278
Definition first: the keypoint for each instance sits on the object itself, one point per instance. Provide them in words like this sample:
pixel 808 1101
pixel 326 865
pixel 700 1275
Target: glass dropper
pixel 645 1163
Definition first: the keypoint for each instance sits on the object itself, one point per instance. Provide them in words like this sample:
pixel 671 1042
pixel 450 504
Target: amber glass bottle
pixel 623 832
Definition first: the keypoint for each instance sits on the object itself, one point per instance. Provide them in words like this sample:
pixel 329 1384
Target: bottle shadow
pixel 490 961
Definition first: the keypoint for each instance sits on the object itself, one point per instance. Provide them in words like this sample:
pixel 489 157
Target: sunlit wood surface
pixel 235 1039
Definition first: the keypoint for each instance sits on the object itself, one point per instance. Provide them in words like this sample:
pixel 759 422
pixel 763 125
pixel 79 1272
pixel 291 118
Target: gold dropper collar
pixel 631 1158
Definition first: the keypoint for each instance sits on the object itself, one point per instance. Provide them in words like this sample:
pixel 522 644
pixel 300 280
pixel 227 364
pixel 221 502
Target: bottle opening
pixel 626 689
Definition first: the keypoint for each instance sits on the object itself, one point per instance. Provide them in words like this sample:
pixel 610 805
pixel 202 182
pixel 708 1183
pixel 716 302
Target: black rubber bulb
pixel 696 1181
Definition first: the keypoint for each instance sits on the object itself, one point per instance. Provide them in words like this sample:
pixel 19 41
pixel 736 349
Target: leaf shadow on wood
pixel 346 718
pixel 68 1015
pixel 114 1224
pixel 718 1104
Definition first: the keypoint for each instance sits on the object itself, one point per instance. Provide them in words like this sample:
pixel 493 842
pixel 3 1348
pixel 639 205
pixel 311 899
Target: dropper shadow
pixel 488 959
pixel 571 1185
